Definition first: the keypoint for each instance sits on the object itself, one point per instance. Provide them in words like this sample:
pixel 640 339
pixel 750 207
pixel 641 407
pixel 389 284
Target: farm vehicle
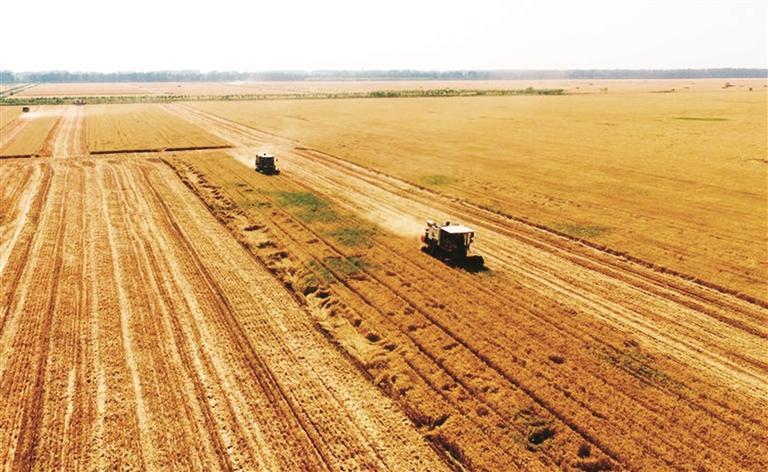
pixel 265 163
pixel 450 243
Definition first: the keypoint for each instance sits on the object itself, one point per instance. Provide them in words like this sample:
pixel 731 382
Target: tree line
pixel 7 76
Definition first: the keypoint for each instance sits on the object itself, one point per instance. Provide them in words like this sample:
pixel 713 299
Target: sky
pixel 145 35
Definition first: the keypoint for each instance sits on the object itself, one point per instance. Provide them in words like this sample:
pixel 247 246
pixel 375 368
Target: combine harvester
pixel 450 243
pixel 265 163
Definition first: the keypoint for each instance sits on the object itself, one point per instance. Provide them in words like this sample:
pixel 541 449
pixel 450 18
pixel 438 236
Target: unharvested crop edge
pixel 171 149
pixel 699 118
pixel 429 93
pixel 600 247
pixel 582 231
pixel 437 180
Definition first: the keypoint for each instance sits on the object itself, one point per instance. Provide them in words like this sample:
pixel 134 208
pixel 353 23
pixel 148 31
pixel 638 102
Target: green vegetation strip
pixel 310 207
pixel 437 180
pixel 353 235
pixel 446 92
pixel 343 267
pixel 581 231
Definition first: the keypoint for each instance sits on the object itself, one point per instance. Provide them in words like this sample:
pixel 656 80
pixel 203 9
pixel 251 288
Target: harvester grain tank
pixel 265 163
pixel 449 243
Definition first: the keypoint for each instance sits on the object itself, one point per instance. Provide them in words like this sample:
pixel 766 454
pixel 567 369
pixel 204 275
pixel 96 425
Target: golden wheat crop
pixel 675 178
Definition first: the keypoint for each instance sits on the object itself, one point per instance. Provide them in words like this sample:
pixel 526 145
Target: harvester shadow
pixel 471 264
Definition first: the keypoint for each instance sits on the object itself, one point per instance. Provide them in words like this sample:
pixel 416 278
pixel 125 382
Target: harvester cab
pixel 448 242
pixel 265 163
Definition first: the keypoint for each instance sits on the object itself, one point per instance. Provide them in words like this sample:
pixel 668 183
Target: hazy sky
pixel 393 34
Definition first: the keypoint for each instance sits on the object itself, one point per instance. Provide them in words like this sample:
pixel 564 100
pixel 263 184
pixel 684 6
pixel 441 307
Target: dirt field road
pixel 136 333
pixel 70 139
pixel 640 364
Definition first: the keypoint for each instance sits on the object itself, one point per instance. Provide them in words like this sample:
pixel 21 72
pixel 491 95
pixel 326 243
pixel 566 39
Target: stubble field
pixel 136 333
pixel 81 89
pixel 157 302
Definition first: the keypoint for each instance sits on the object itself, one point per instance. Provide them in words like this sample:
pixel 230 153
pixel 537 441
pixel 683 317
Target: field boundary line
pixel 171 149
pixel 382 93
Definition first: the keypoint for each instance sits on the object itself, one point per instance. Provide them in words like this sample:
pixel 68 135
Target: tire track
pixel 16 209
pixel 30 363
pixel 64 364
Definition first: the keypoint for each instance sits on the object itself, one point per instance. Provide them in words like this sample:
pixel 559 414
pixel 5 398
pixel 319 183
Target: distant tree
pixel 399 74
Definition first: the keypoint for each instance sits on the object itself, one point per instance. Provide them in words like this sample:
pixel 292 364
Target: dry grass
pixel 140 127
pixel 619 169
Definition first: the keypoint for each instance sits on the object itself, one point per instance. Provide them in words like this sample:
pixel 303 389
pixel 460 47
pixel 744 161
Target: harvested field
pixel 173 309
pixel 679 181
pixel 119 128
pixel 81 89
pixel 330 86
pixel 353 86
pixel 136 333
pixel 11 89
pixel 560 348
pixel 30 133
